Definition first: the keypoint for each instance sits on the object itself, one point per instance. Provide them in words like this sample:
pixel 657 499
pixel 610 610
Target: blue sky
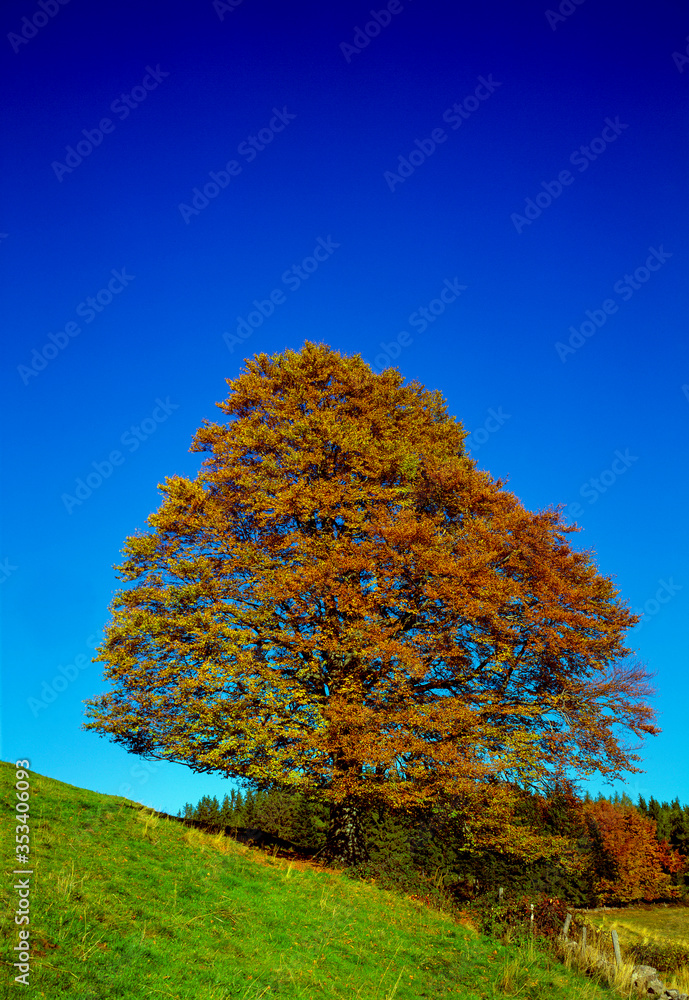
pixel 492 199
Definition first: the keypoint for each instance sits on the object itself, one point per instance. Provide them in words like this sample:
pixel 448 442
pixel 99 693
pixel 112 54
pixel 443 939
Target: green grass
pixel 127 905
pixel 636 924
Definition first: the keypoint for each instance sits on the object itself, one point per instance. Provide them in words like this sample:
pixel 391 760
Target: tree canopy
pixel 341 601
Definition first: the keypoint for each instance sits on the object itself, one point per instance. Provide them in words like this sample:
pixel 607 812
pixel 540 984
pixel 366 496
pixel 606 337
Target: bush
pixel 512 916
pixel 663 957
pixel 540 878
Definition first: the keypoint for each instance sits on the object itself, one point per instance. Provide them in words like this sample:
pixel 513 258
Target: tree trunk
pixel 345 839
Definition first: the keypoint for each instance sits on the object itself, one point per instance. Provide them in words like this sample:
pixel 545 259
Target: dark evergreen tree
pixel 679 828
pixel 226 817
pixel 663 828
pixel 208 811
pixel 309 821
pixel 238 811
pixel 274 813
pixel 249 809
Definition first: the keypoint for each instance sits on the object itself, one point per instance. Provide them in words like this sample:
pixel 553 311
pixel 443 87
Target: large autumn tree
pixel 342 602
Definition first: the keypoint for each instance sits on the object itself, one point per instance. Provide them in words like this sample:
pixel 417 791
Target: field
pixel 663 925
pixel 647 923
pixel 126 905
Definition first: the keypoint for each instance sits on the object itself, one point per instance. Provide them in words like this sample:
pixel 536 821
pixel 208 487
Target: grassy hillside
pixel 127 905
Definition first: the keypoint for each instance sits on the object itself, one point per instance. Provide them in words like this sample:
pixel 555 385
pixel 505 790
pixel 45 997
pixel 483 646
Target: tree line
pixel 589 852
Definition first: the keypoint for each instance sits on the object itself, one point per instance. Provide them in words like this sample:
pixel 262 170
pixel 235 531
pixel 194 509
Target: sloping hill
pixel 126 905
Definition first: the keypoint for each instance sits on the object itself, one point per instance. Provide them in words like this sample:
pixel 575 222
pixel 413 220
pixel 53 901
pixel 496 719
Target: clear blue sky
pixel 497 200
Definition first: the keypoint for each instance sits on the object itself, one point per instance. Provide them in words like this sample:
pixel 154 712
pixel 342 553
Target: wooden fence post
pixel 531 919
pixel 616 948
pixel 500 892
pixel 565 929
pixel 583 937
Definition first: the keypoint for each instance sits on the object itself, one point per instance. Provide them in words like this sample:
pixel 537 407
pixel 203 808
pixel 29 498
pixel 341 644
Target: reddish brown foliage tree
pixel 342 601
pixel 638 867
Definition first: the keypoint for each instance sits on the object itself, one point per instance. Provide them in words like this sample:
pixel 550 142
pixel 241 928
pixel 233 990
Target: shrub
pixel 663 957
pixel 512 916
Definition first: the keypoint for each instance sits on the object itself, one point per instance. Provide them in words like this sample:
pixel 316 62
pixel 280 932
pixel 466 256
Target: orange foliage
pixel 341 600
pixel 638 867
